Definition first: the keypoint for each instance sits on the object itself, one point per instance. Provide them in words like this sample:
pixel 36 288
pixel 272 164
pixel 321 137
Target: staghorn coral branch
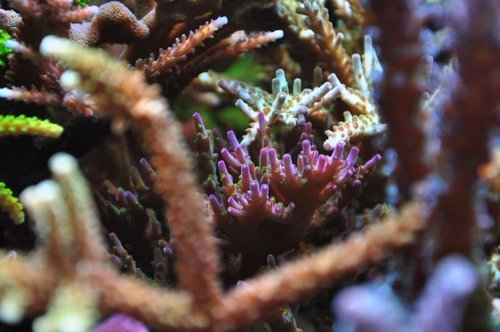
pixel 25 286
pixel 334 56
pixel 357 7
pixel 11 125
pixel 70 283
pixel 33 95
pixel 127 295
pixel 81 208
pixel 240 42
pixel 403 50
pixel 10 204
pixel 279 106
pixel 78 103
pixel 366 122
pixel 235 45
pixel 470 118
pixel 58 12
pixel 350 10
pixel 78 15
pixel 127 97
pixel 246 303
pixel 292 107
pixel 185 45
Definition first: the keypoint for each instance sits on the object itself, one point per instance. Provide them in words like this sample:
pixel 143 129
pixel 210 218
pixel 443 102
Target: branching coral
pixel 10 204
pixel 71 257
pixel 261 200
pixel 11 125
pixel 309 195
pixel 310 21
pixel 292 108
pixel 68 274
pixel 145 109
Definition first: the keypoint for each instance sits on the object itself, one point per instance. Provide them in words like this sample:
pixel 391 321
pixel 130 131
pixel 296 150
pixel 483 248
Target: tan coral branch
pixel 301 278
pixel 182 47
pixel 334 55
pixel 25 287
pixel 159 308
pixel 125 95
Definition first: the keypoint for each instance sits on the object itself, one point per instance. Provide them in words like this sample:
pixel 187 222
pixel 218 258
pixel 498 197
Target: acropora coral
pixel 213 165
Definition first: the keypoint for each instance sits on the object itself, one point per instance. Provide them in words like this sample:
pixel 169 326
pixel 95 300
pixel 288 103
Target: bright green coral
pixel 4 50
pixel 10 204
pixel 12 125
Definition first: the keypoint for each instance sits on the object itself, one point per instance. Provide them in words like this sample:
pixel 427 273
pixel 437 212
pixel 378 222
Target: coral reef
pixel 249 165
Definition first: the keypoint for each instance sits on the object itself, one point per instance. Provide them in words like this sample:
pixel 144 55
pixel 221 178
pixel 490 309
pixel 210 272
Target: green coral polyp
pixel 11 125
pixel 10 204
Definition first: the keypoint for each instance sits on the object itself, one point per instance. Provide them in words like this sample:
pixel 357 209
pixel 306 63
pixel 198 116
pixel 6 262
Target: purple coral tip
pixel 122 323
pixel 233 141
pixel 198 120
pixel 370 164
pixel 353 155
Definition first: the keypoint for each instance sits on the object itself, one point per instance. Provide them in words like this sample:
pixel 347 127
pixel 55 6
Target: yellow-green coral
pixel 4 50
pixel 12 125
pixel 10 204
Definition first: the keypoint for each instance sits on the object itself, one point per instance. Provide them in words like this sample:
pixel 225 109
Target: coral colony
pixel 250 165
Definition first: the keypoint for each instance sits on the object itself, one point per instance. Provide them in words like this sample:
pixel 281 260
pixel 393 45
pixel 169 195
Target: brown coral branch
pixel 82 212
pixel 78 15
pixel 469 119
pixel 68 272
pixel 235 45
pixel 240 42
pixel 185 45
pixel 143 301
pixel 25 286
pixel 34 95
pixel 402 50
pixel 334 56
pixel 350 10
pixel 59 12
pixel 78 103
pixel 127 97
pixel 246 303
